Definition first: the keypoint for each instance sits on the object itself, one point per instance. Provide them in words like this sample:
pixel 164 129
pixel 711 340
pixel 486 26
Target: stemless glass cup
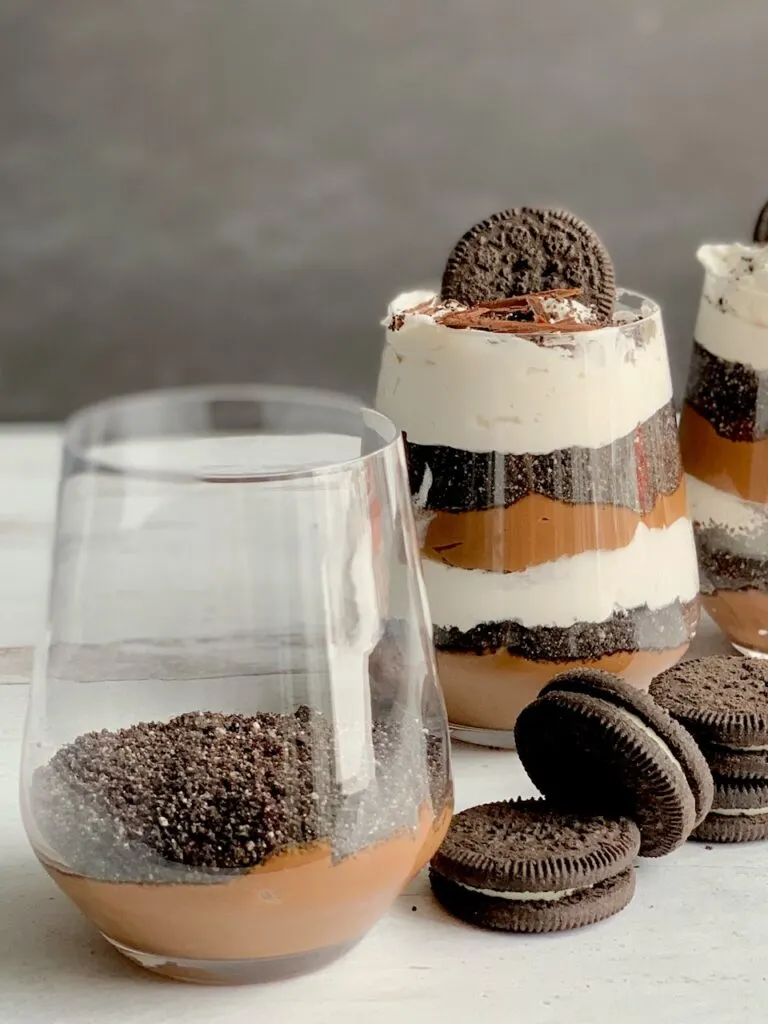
pixel 550 502
pixel 236 752
pixel 724 439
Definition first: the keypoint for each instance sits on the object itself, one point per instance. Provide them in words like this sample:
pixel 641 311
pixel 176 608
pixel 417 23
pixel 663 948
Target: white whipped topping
pixel 481 391
pixel 523 897
pixel 588 587
pixel 744 265
pixel 568 309
pixel 709 506
pixel 733 313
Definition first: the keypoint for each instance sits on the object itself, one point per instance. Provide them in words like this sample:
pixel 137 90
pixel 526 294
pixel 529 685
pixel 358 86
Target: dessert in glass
pixel 236 752
pixel 724 438
pixel 545 472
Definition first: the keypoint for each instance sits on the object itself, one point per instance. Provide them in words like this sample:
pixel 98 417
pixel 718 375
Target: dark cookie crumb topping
pixel 208 793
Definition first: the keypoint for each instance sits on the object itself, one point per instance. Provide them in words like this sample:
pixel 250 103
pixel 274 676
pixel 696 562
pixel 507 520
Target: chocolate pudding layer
pixel 537 529
pixel 632 472
pixel 489 691
pixel 229 837
pixel 300 901
pixel 736 467
pixel 742 615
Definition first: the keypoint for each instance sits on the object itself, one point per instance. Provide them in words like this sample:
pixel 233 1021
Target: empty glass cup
pixel 236 751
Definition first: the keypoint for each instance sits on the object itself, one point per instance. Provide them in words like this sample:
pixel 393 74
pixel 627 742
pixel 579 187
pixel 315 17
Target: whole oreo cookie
pixel 523 866
pixel 760 234
pixel 722 701
pixel 594 744
pixel 526 250
pixel 739 813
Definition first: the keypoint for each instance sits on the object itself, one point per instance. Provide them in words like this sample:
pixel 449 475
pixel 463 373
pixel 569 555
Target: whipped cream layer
pixel 655 569
pixel 733 314
pixel 710 507
pixel 482 391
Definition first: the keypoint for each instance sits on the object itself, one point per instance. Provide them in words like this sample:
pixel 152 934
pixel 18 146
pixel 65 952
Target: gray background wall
pixel 193 190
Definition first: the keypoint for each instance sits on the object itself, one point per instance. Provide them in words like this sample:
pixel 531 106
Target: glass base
pixel 234 972
pixel 750 652
pixel 500 739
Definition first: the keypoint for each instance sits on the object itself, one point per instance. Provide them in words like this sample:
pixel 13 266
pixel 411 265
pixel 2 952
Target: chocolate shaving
pixel 520 301
pixel 537 307
pixel 494 315
pixel 483 320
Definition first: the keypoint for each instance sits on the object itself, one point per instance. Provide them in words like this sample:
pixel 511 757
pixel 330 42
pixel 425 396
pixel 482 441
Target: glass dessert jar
pixel 236 751
pixel 724 438
pixel 547 483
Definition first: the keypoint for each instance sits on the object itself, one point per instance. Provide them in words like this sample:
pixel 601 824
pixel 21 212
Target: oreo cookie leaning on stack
pixel 593 744
pixel 723 702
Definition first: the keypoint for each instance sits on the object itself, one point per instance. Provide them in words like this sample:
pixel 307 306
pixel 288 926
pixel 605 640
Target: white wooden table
pixel 692 946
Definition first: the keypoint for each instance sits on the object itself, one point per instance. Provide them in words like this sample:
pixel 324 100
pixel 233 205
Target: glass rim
pixel 320 398
pixel 635 294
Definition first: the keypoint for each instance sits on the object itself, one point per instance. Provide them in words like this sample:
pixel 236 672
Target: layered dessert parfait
pixel 724 438
pixel 545 473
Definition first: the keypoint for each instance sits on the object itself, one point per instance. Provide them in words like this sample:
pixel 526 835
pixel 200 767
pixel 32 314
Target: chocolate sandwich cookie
pixel 526 251
pixel 739 813
pixel 723 701
pixel 760 233
pixel 593 744
pixel 521 866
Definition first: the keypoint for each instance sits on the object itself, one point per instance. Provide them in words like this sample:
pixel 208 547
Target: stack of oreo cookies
pixel 723 702
pixel 620 777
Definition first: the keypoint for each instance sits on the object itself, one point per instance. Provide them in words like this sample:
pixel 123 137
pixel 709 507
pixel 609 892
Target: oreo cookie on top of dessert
pixel 536 405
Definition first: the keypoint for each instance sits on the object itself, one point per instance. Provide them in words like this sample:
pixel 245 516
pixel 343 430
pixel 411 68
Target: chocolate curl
pixel 489 316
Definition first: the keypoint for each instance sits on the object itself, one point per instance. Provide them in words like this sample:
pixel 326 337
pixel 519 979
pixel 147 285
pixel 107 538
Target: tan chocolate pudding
pixel 724 439
pixel 227 838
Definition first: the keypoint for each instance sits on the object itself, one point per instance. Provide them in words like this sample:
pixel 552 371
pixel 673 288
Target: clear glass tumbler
pixel 236 751
pixel 550 500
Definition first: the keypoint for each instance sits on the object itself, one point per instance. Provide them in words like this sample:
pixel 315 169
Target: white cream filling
pixel 639 724
pixel 480 392
pixel 739 812
pixel 523 897
pixel 741 749
pixel 656 568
